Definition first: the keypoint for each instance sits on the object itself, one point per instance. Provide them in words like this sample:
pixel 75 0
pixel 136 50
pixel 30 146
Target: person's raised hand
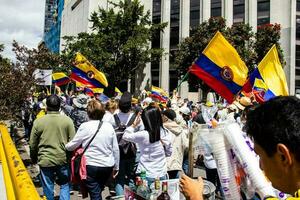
pixel 191 189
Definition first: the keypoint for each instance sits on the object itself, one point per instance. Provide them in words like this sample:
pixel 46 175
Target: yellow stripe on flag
pixel 271 71
pixel 223 54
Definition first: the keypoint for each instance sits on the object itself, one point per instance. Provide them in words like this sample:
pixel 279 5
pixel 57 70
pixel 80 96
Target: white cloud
pixel 23 21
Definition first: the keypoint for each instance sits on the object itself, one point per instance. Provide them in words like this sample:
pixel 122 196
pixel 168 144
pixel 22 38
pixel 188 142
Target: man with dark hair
pixel 275 129
pixel 48 138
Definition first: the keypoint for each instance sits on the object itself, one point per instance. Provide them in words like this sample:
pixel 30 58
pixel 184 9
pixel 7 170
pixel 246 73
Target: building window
pixel 298 27
pixel 216 8
pixel 174 23
pixel 76 4
pixel 238 11
pixel 298 5
pixel 263 12
pixel 194 13
pixel 297 60
pixel 156 18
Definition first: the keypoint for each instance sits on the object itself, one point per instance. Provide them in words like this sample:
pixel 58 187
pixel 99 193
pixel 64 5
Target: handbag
pixel 77 158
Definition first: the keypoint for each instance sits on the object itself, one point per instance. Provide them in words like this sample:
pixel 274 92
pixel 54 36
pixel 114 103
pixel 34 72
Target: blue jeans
pixel 125 176
pixel 96 179
pixel 49 174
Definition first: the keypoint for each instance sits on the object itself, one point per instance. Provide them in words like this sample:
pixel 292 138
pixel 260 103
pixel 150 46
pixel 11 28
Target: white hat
pixel 185 110
pixel 81 101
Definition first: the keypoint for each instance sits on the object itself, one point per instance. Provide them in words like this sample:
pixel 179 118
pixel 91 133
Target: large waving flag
pixel 221 68
pixel 268 79
pixel 159 93
pixel 60 78
pixel 85 73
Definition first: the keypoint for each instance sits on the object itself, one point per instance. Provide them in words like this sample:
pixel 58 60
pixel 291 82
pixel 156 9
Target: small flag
pixel 159 93
pixel 268 79
pixel 60 78
pixel 221 68
pixel 85 73
pixel 118 91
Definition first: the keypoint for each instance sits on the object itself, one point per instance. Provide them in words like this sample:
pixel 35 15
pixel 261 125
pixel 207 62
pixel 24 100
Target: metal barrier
pixel 18 183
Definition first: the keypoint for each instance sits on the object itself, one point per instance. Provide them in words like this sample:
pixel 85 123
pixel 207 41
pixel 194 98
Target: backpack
pixel 127 149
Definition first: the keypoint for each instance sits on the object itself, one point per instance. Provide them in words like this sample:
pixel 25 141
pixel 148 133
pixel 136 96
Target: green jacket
pixel 48 138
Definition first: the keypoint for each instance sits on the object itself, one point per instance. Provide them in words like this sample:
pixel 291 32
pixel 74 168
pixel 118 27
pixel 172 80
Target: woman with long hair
pixel 154 143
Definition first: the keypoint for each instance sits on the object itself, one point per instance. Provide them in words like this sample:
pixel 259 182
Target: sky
pixel 23 21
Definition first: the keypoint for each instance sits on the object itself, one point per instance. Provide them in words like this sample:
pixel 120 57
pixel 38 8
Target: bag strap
pixel 130 122
pixel 117 120
pixel 99 126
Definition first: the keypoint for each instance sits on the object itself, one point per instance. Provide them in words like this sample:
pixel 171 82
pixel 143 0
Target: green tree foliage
pixel 250 46
pixel 119 42
pixel 17 80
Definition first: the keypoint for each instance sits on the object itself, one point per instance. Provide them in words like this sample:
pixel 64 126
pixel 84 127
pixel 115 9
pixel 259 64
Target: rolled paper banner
pixel 247 159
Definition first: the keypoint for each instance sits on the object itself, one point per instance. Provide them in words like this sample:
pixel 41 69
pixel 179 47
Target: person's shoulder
pixel 107 125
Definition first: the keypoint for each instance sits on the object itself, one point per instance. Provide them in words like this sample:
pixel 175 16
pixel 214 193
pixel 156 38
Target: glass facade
pixel 50 8
pixel 174 41
pixel 156 18
pixel 263 12
pixel 216 8
pixel 52 36
pixel 238 11
pixel 194 13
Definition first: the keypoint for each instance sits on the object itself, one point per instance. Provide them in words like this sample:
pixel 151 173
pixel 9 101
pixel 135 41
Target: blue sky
pixel 23 21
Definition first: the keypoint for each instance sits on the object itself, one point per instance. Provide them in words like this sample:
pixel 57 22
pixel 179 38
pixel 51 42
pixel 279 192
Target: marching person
pixel 48 138
pixel 102 155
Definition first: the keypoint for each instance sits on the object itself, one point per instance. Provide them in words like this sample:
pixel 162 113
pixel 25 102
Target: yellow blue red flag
pixel 159 93
pixel 268 78
pixel 85 73
pixel 60 78
pixel 221 68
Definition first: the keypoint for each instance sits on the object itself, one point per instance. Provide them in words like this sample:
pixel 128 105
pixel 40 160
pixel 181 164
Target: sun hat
pixel 81 101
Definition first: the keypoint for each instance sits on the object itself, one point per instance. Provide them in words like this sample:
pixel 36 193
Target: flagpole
pixel 182 80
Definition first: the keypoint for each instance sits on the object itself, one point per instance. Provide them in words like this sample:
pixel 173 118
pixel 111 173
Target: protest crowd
pixel 249 147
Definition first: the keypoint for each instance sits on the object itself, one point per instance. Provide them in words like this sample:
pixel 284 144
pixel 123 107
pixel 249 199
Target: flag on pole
pixel 85 73
pixel 159 93
pixel 118 91
pixel 60 78
pixel 268 79
pixel 221 68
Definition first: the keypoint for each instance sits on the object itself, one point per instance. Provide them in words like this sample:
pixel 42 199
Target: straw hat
pixel 243 102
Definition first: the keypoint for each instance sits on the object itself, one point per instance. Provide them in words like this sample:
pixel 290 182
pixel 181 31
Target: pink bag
pixel 82 169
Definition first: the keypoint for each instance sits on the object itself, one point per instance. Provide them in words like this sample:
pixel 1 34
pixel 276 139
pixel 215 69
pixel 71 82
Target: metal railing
pixel 18 183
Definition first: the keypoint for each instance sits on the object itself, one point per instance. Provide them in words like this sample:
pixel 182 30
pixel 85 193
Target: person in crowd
pixel 48 138
pixel 125 117
pixel 27 116
pixel 180 143
pixel 155 144
pixel 102 155
pixel 275 129
pixel 110 109
pixel 79 114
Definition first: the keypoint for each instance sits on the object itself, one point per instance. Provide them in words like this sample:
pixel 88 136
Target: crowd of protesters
pixel 150 136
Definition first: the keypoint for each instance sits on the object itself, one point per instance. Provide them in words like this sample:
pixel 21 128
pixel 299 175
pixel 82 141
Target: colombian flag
pixel 159 93
pixel 268 79
pixel 60 78
pixel 221 68
pixel 85 73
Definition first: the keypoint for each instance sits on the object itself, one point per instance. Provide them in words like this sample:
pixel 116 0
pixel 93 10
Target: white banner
pixel 43 76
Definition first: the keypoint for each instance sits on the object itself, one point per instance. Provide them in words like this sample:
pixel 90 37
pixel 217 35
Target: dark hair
pixel 169 113
pixel 95 110
pixel 276 121
pixel 153 122
pixel 53 103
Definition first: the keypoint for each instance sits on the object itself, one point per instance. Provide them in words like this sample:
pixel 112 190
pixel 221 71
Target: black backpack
pixel 127 149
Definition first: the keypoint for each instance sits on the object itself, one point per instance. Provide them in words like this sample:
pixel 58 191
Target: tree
pixel 251 47
pixel 119 42
pixel 17 78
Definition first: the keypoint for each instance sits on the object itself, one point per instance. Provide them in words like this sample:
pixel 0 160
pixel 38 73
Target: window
pixel 263 12
pixel 298 5
pixel 156 18
pixel 216 8
pixel 194 13
pixel 298 27
pixel 76 4
pixel 238 11
pixel 174 23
